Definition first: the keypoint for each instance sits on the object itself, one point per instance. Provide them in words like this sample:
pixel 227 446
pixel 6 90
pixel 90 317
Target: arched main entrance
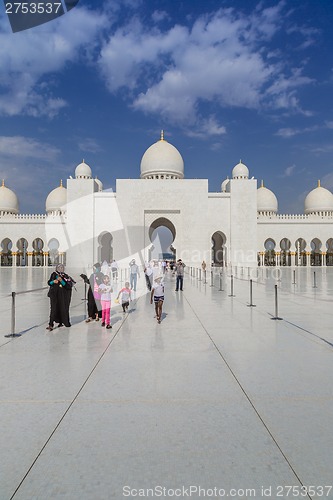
pixel 162 234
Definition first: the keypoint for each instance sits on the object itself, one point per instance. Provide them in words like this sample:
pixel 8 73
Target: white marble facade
pixel 238 226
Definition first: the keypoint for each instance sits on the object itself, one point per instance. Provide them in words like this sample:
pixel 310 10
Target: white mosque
pixel 238 226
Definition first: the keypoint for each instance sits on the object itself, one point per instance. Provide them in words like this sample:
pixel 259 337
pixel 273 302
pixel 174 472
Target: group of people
pixel 100 290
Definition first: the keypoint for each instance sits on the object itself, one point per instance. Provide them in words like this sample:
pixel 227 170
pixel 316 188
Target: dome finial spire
pixel 61 183
pixel 162 135
pixel 262 183
pixel 3 182
pixel 319 183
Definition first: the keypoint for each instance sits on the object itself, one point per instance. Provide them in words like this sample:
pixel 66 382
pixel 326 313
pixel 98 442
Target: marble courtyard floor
pixel 218 396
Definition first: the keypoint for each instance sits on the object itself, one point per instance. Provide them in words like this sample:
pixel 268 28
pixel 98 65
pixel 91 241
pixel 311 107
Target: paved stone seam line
pixel 308 331
pixel 248 398
pixel 69 407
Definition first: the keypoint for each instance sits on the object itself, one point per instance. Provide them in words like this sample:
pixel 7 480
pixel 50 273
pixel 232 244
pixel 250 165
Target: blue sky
pixel 226 80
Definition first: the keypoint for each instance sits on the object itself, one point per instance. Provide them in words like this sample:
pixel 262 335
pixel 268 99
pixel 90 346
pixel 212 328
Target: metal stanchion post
pixel 13 334
pixel 199 274
pixel 85 291
pixel 276 304
pixel 211 279
pixel 232 287
pixel 314 280
pixel 251 303
pixel 221 283
pixel 205 276
pixel 294 274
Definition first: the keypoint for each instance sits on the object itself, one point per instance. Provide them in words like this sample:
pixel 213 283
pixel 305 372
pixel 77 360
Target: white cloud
pixel 159 15
pixel 206 128
pixel 289 171
pixel 22 147
pixel 26 57
pixel 287 132
pixel 89 145
pixel 291 132
pixel 223 58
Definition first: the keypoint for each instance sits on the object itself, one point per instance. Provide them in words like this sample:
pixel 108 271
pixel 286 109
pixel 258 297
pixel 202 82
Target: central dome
pixel 162 161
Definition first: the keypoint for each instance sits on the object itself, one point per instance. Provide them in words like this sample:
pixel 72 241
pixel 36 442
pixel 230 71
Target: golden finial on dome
pixel 3 183
pixel 318 183
pixel 162 135
pixel 262 183
pixel 61 183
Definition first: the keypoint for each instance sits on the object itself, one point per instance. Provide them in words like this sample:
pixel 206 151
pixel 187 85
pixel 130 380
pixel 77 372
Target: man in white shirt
pixel 134 274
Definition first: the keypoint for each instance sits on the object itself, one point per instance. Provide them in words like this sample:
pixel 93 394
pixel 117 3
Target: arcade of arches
pixel 35 253
pixel 275 253
pixel 300 253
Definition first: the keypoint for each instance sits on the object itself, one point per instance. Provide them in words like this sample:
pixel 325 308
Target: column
pixel 29 258
pixel 45 259
pixel 308 259
pixel 14 257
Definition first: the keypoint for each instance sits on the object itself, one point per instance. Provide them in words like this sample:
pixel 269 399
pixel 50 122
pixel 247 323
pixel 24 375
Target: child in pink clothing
pixel 105 289
pixel 125 296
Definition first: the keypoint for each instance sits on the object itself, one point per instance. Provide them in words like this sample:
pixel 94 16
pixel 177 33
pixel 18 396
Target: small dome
pixel 224 185
pixel 99 184
pixel 240 171
pixel 8 200
pixel 318 200
pixel 57 200
pixel 83 171
pixel 266 200
pixel 162 161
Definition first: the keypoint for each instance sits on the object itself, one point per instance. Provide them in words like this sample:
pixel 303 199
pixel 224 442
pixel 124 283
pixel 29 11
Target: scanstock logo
pixel 28 14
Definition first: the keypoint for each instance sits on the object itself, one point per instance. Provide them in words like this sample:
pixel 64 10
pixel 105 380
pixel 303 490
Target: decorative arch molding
pixel 158 223
pixel 218 256
pixel 156 218
pixel 105 246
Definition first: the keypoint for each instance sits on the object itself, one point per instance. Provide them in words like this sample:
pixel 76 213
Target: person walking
pixel 114 269
pixel 157 294
pixel 60 294
pixel 125 296
pixel 149 276
pixel 134 274
pixel 105 289
pixel 179 275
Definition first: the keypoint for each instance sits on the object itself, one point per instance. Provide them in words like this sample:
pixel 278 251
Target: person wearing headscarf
pixel 60 294
pixel 94 297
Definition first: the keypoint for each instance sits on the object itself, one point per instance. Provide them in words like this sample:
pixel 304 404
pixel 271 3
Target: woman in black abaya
pixel 94 302
pixel 60 294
